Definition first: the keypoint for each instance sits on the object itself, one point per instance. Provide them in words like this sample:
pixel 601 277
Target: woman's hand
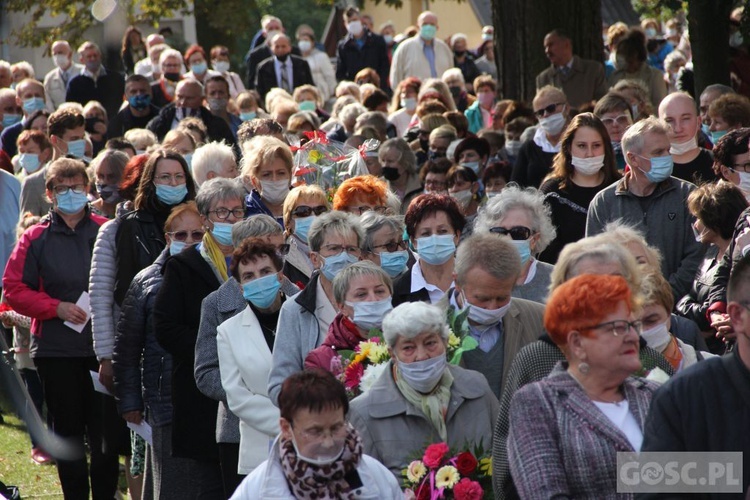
pixel 134 417
pixel 68 311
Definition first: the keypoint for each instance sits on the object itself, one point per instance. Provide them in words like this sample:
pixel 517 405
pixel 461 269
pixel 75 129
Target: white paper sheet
pixel 143 430
pixel 84 303
pixel 98 386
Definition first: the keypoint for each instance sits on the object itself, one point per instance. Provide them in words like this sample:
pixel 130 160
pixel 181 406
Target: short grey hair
pixel 624 234
pixel 406 157
pixel 496 256
pixel 116 160
pixel 341 223
pixel 343 279
pixel 141 138
pixel 373 222
pixel 4 65
pixel 513 197
pixel 451 73
pixel 340 103
pixel 218 189
pixel 167 53
pixel 255 226
pixel 210 157
pixel 410 319
pixel 350 112
pixel 375 119
pixel 632 139
pixel 444 132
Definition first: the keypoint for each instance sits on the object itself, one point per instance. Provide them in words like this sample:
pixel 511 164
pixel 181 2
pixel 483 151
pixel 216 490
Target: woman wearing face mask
pixel 427 399
pixel 363 297
pixel 301 207
pixel 727 113
pixel 266 173
pixel 632 64
pixel 181 141
pixel 400 170
pixel 617 116
pixel 335 241
pixel 142 369
pixel 463 186
pixel 322 70
pixel 472 153
pixel 521 215
pixel 34 151
pixel 309 98
pixel 479 114
pixel 384 243
pixel 404 104
pixel 189 277
pixel 434 224
pixel 535 157
pixel 318 454
pixel 732 159
pixel 220 64
pixel 495 177
pixel 584 166
pixel 108 168
pixel 195 61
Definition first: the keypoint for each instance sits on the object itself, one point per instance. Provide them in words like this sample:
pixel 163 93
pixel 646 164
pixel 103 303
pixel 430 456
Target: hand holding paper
pixel 75 315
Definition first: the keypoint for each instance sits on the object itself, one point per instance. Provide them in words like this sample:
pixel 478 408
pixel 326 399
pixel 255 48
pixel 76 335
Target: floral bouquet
pixel 325 163
pixel 441 473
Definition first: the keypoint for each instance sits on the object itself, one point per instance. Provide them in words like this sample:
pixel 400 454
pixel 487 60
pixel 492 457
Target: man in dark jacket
pixel 261 50
pixel 700 410
pixel 189 102
pixel 283 69
pixel 96 83
pixel 359 49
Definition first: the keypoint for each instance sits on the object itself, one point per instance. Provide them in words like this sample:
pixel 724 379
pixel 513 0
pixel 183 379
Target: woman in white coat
pixel 244 343
pixel 323 74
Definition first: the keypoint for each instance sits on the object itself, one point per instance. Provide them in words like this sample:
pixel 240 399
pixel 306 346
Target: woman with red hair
pixel 361 194
pixel 196 62
pixel 589 407
pixel 404 104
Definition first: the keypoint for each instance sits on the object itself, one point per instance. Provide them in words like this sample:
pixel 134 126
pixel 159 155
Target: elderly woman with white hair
pixel 400 170
pixel 384 243
pixel 420 399
pixel 214 159
pixel 454 79
pixel 522 215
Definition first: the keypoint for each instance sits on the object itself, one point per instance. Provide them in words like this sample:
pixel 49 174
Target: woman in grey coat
pixel 589 407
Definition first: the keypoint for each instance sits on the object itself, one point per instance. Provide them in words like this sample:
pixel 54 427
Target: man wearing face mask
pixel 464 61
pixel 139 111
pixel 96 83
pixel 284 70
pixel 422 56
pixel 486 271
pixel 272 26
pixel 56 81
pixel 359 49
pixel 30 98
pixel 650 199
pixel 535 157
pixel 217 98
pixel 691 163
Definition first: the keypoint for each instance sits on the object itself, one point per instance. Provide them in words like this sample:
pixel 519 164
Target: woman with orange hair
pixel 589 407
pixel 361 194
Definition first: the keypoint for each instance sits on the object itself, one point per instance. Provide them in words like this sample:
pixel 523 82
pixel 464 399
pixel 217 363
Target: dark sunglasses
pixel 548 110
pixel 515 233
pixel 305 211
pixel 183 235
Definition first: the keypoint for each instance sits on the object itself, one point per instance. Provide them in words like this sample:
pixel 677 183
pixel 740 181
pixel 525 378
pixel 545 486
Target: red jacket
pixel 342 335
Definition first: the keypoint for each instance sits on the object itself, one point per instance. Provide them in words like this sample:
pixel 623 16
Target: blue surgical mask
pixel 139 102
pixel 77 148
pixel 436 249
pixel 474 165
pixel 199 68
pixel 424 375
pixel 10 119
pixel 705 129
pixel 307 106
pixel 524 249
pixel 717 134
pixel 262 292
pixel 71 202
pixel 335 263
pixel 248 115
pixel 176 247
pixel 302 227
pixel 29 162
pixel 427 31
pixel 222 231
pixel 369 315
pixel 661 168
pixel 33 104
pixel 394 263
pixel 188 157
pixel 171 195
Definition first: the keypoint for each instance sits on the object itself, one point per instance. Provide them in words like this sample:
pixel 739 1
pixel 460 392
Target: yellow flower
pixel 485 466
pixel 315 156
pixel 446 477
pixel 378 354
pixel 362 355
pixel 415 471
pixel 453 341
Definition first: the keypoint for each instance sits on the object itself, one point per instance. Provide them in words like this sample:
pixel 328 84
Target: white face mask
pixel 274 191
pixel 588 166
pixel 61 60
pixel 370 314
pixel 485 317
pixel 321 454
pixel 355 28
pixel 657 337
pixel 745 183
pixel 423 376
pixel 680 148
pixel 553 124
pixel 512 147
pixel 463 197
pixel 304 46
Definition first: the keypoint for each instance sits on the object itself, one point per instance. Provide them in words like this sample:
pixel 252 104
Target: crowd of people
pixel 526 275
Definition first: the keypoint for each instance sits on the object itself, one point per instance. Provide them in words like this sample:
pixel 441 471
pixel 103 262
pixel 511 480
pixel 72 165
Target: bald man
pixel 283 69
pixel 30 98
pixel 56 81
pixel 423 56
pixel 691 163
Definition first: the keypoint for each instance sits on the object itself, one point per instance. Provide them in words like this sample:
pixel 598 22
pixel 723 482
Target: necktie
pixel 284 78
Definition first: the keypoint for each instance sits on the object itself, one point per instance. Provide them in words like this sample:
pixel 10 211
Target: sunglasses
pixel 548 110
pixel 515 233
pixel 196 235
pixel 305 211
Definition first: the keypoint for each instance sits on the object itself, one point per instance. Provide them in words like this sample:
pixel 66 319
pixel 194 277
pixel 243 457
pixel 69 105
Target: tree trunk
pixel 708 22
pixel 520 27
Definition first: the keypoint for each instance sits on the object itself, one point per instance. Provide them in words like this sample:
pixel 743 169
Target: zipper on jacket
pixel 138 239
pixel 161 375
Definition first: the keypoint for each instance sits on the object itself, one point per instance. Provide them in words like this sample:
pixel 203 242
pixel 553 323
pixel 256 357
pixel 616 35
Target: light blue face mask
pixel 33 104
pixel 222 231
pixel 302 227
pixel 524 249
pixel 29 162
pixel 247 116
pixel 335 263
pixel 436 249
pixel 428 31
pixel 171 195
pixel 394 263
pixel 10 119
pixel 199 68
pixel 474 165
pixel 77 148
pixel 176 247
pixel 705 129
pixel 307 106
pixel 369 314
pixel 717 134
pixel 661 168
pixel 188 157
pixel 263 291
pixel 71 203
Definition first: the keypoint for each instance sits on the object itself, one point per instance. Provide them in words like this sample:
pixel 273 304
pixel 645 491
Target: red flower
pixel 353 375
pixel 466 463
pixel 466 489
pixel 423 491
pixel 434 454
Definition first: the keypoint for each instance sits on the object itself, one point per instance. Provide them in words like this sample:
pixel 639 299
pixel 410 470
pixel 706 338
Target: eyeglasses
pixel 223 213
pixel 337 249
pixel 315 434
pixel 515 233
pixel 195 235
pixel 744 167
pixel 548 110
pixel 392 246
pixel 435 184
pixel 305 211
pixel 283 249
pixel 167 178
pixel 365 208
pixel 63 189
pixel 622 120
pixel 619 327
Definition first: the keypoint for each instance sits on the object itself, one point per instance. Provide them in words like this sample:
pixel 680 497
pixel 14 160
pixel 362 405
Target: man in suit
pixel 283 69
pixel 56 81
pixel 261 49
pixel 487 267
pixel 30 98
pixel 582 80
pixel 96 83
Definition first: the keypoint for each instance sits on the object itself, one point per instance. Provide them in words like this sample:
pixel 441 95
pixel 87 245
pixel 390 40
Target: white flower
pixel 657 375
pixel 370 375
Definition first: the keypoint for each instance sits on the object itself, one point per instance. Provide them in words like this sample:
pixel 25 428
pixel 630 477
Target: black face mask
pixel 391 173
pixel 455 92
pixel 459 53
pixel 424 144
pixel 172 77
pixel 91 123
pixel 282 58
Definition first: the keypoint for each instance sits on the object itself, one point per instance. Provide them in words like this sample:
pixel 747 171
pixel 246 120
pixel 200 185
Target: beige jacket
pixel 409 60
